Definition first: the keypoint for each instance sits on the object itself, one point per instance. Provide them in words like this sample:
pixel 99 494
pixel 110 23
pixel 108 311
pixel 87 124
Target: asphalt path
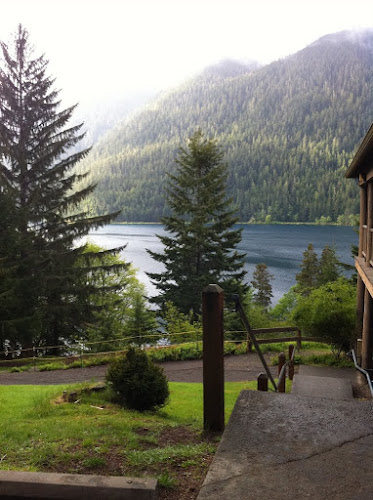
pixel 236 369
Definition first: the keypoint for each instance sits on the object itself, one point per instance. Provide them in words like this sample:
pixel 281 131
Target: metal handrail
pixel 362 371
pixel 249 330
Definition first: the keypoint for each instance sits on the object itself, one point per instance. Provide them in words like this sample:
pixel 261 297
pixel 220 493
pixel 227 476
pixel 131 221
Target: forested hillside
pixel 289 130
pixel 101 116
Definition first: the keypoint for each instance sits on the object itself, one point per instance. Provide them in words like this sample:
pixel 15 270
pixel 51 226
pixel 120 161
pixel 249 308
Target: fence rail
pixel 279 329
pixel 85 350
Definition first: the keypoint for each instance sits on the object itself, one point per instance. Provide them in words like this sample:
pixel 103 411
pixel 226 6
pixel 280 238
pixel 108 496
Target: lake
pixel 280 247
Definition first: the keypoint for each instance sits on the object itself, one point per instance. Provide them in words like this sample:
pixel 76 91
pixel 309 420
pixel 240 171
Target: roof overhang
pixel 363 159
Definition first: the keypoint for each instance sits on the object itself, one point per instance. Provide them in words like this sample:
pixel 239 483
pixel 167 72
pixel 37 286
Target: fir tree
pixel 8 248
pixel 307 278
pixel 262 283
pixel 201 246
pixel 37 174
pixel 141 323
pixel 328 266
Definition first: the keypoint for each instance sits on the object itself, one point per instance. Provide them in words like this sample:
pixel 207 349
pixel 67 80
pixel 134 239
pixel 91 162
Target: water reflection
pixel 280 247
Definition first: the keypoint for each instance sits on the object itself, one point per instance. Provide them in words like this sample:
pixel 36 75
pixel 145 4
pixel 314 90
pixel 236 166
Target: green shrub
pixel 329 312
pixel 137 382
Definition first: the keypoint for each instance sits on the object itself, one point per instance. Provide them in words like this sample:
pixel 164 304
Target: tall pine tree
pixel 328 266
pixel 201 246
pixel 307 278
pixel 50 292
pixel 262 283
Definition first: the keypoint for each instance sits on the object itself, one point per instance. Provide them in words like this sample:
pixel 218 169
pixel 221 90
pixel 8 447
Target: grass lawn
pixel 40 433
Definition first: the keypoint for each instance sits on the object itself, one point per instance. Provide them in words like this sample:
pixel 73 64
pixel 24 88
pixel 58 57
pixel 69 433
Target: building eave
pixel 363 157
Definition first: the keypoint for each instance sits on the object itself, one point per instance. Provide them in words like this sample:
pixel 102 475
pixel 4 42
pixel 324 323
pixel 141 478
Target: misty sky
pixel 117 47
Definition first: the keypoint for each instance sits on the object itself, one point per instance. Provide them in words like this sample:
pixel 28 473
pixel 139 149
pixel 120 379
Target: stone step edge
pixel 50 485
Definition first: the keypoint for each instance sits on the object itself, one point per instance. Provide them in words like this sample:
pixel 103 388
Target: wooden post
pixel 299 339
pixel 360 292
pixel 291 350
pixel 367 345
pixel 281 362
pixel 363 215
pixel 249 345
pixel 262 382
pixel 213 358
pixel 291 364
pixel 369 221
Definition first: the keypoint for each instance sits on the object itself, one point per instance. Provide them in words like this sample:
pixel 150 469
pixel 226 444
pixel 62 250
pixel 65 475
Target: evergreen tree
pixel 328 266
pixel 179 328
pixel 113 281
pixel 141 323
pixel 37 175
pixel 262 283
pixel 307 278
pixel 201 246
pixel 8 245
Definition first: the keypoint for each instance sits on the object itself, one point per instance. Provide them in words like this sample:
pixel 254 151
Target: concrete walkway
pixel 292 446
pixel 320 382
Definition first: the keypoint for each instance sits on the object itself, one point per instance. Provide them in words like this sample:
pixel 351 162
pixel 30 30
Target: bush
pixel 329 312
pixel 137 382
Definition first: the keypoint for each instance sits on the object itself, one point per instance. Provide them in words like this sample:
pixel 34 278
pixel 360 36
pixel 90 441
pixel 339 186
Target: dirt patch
pixel 189 481
pixel 187 475
pixel 178 435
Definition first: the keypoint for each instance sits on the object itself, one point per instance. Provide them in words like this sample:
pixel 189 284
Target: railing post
pixel 299 339
pixel 213 358
pixel 281 362
pixel 262 382
pixel 291 364
pixel 249 346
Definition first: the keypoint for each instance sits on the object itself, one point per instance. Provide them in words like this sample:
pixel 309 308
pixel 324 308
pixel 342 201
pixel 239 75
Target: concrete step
pixel 328 371
pixel 322 387
pixel 288 447
pixel 324 382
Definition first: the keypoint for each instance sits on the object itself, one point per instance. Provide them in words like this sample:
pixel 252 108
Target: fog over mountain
pixel 289 130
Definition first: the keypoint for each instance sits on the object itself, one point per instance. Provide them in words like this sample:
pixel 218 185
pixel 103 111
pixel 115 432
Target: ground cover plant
pixel 41 433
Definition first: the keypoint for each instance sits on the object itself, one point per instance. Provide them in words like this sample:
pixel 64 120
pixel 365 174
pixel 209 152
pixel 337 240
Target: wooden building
pixel 361 168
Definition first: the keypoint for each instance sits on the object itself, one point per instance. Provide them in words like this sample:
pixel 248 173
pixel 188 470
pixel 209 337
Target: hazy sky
pixel 97 48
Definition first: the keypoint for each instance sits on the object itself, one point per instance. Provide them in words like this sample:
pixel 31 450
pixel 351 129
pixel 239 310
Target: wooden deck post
pixel 363 215
pixel 262 382
pixel 360 293
pixel 369 221
pixel 367 345
pixel 213 358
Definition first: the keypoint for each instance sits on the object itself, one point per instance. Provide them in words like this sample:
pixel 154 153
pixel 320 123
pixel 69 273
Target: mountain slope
pixel 288 129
